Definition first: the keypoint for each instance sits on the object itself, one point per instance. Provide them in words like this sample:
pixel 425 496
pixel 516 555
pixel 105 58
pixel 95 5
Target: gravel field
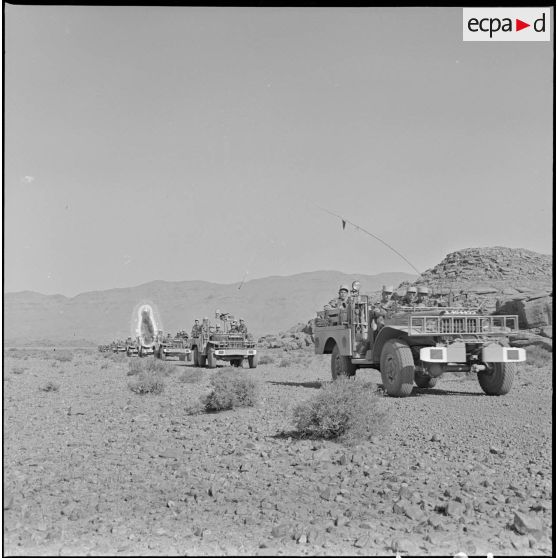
pixel 91 468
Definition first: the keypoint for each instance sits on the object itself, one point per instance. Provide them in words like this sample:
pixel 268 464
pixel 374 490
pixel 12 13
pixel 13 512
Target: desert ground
pixel 93 468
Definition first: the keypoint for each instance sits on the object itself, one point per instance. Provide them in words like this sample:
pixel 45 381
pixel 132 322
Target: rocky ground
pixel 91 468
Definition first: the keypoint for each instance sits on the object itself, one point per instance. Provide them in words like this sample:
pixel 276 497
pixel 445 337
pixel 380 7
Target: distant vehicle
pixel 212 343
pixel 419 344
pixel 167 347
pixel 131 347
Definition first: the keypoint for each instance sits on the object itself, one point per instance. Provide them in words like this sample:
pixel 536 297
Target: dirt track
pixel 95 469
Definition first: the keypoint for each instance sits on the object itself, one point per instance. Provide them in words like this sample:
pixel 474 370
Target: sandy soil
pixel 95 469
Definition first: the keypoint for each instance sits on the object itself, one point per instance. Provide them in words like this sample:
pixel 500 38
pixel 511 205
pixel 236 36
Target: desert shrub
pixel 104 365
pixel 150 366
pixel 230 389
pixel 284 362
pixel 191 376
pixel 147 382
pixel 346 409
pixel 266 359
pixel 538 357
pixel 62 356
pixel 18 369
pixel 50 386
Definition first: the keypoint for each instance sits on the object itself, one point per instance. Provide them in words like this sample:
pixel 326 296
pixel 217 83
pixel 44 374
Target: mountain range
pixel 268 305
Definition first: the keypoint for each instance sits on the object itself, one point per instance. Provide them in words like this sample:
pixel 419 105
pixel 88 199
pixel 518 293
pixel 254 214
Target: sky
pixel 192 143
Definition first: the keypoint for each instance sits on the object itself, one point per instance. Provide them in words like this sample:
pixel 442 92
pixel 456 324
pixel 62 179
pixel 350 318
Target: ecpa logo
pixel 506 24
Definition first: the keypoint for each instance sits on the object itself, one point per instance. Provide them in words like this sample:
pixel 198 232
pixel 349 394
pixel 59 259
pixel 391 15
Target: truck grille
pixel 459 325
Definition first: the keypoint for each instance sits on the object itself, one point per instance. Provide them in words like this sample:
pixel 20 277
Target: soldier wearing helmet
pixel 410 298
pixel 383 307
pixel 423 298
pixel 242 326
pixel 196 328
pixel 341 301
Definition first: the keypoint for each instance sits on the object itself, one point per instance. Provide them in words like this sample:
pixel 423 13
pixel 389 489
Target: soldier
pixel 205 325
pixel 234 327
pixel 423 299
pixel 341 301
pixel 410 298
pixel 242 326
pixel 381 308
pixel 196 328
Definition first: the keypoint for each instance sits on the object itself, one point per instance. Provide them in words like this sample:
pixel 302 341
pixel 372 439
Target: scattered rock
pixel 527 525
pixel 280 530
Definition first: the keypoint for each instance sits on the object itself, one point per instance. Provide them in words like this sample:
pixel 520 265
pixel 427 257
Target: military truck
pixel 220 342
pixel 119 346
pixel 418 344
pixel 131 347
pixel 167 346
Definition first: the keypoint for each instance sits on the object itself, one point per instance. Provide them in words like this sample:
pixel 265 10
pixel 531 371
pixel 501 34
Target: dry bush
pixel 18 369
pixel 266 359
pixel 230 389
pixel 538 357
pixel 50 386
pixel 104 365
pixel 347 409
pixel 62 356
pixel 147 382
pixel 191 376
pixel 284 362
pixel 150 366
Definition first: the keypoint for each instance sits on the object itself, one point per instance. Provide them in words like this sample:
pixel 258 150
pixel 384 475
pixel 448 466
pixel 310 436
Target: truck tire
pixel 397 368
pixel 424 381
pixel 252 361
pixel 162 354
pixel 201 360
pixel 499 379
pixel 211 359
pixel 341 366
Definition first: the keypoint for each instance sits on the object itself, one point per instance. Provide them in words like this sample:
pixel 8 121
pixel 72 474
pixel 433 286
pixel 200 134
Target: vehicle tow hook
pixel 478 368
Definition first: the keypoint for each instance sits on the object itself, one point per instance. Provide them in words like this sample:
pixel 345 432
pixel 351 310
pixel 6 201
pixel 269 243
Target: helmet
pixel 423 290
pixel 240 319
pixel 344 287
pixel 411 290
pixel 387 289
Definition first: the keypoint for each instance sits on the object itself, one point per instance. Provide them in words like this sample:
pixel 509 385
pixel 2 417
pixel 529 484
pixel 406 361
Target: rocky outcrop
pixel 532 312
pixel 504 280
pixel 298 336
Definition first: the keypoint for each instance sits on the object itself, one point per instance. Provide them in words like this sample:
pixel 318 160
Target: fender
pixel 386 333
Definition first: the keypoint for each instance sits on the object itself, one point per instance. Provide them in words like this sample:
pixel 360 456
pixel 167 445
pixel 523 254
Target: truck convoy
pixel 418 344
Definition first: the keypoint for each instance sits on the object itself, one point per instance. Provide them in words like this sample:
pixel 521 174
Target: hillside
pixel 268 305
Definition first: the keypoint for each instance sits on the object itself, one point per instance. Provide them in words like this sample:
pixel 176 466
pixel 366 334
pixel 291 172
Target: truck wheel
pixel 252 361
pixel 341 366
pixel 498 379
pixel 397 368
pixel 162 354
pixel 196 357
pixel 201 360
pixel 424 381
pixel 211 360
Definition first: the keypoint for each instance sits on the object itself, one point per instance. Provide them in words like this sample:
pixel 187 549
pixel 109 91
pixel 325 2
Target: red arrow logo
pixel 519 25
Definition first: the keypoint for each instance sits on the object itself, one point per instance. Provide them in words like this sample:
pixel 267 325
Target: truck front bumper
pixel 235 352
pixel 457 354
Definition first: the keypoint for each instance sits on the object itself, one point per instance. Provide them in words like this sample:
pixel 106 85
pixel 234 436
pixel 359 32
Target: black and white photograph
pixel 278 280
